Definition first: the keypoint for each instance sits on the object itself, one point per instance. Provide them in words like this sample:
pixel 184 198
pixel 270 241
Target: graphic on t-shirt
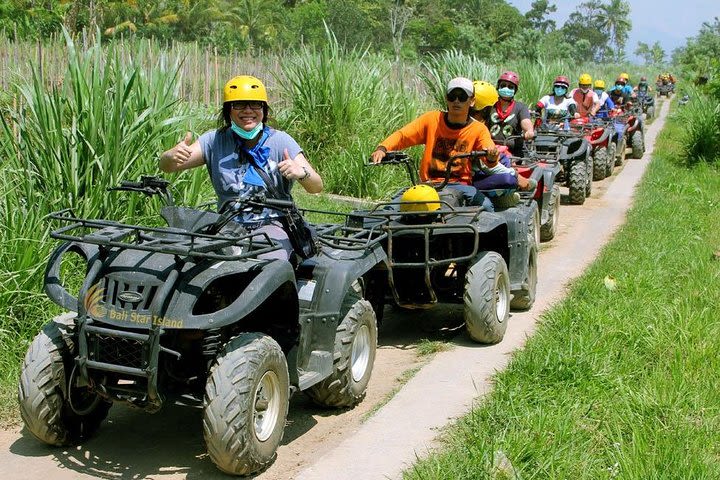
pixel 443 149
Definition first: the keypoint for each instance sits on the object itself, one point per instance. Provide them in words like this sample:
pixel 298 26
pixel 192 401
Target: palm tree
pixel 615 22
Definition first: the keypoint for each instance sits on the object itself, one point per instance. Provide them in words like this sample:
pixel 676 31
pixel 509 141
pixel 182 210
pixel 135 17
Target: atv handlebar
pixel 148 185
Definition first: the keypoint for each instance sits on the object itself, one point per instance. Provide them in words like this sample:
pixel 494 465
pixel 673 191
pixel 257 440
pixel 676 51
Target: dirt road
pixel 322 444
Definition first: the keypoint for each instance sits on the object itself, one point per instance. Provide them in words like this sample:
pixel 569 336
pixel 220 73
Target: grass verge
pixel 616 383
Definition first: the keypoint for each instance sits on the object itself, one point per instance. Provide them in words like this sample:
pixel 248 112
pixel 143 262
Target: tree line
pixel 490 29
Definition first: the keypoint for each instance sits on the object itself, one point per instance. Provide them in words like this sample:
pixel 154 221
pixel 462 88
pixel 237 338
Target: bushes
pixel 701 136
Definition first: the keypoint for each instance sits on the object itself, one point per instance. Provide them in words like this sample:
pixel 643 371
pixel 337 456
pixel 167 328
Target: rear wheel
pixel 576 183
pixel 600 159
pixel 53 405
pixel 487 298
pixel 525 297
pixel 246 404
pixel 612 149
pixel 620 154
pixel 637 143
pixel 549 229
pixel 355 347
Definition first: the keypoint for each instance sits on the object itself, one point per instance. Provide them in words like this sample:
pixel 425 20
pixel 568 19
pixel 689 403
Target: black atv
pixel 573 152
pixel 451 253
pixel 195 313
pixel 547 192
pixel 665 89
pixel 647 102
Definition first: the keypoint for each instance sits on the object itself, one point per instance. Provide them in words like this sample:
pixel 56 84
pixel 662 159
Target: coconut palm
pixel 615 23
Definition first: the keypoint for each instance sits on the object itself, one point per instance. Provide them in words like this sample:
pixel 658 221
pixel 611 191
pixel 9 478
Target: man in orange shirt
pixel 445 134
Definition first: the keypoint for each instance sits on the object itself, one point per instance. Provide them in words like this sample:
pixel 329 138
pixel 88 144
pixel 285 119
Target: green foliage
pixel 701 125
pixel 341 107
pixel 621 383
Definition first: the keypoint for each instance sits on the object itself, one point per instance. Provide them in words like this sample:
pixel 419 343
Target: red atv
pixel 603 149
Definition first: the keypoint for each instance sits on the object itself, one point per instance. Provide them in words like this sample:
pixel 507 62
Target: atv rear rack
pixel 171 241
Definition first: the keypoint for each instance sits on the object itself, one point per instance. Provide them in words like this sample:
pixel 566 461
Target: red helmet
pixel 562 80
pixel 620 80
pixel 511 77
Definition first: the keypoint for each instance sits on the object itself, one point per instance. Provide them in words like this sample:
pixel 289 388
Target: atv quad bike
pixel 647 102
pixel 599 134
pixel 194 313
pixel 440 251
pixel 572 152
pixel 547 192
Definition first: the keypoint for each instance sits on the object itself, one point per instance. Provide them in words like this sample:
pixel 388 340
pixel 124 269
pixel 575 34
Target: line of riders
pixel 479 116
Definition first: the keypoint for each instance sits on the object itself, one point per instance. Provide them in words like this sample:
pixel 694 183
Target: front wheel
pixel 650 112
pixel 487 298
pixel 54 406
pixel 355 347
pixel 246 404
pixel 576 183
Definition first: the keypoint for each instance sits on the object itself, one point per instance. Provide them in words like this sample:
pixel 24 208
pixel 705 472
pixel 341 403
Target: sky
pixel 670 22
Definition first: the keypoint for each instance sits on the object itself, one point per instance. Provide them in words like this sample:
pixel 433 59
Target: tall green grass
pixel 62 147
pixel 701 121
pixel 341 105
pixel 616 383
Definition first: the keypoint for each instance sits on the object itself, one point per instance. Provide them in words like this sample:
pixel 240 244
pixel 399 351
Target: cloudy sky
pixel 670 22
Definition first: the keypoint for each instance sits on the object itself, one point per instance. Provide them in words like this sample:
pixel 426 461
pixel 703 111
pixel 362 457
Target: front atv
pixel 197 313
pixel 440 251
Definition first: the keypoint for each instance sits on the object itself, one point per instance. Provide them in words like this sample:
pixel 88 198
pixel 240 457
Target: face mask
pixel 599 91
pixel 585 90
pixel 506 92
pixel 244 134
pixel 560 91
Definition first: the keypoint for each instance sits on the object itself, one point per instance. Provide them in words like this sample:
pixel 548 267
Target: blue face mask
pixel 506 92
pixel 599 91
pixel 560 91
pixel 244 134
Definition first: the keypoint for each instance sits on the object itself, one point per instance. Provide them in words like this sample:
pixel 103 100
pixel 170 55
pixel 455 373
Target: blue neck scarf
pixel 260 154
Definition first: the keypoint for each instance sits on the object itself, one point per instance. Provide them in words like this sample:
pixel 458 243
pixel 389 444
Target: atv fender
pixel 53 286
pixel 261 287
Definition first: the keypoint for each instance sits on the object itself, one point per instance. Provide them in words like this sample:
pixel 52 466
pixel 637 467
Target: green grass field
pixel 618 383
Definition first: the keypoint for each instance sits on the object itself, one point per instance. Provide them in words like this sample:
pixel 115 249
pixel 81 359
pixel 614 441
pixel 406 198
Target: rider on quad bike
pixel 606 103
pixel 587 101
pixel 245 155
pixel 447 133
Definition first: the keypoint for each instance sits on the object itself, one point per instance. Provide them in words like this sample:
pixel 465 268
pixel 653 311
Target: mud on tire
pixel 355 347
pixel 246 404
pixel 487 298
pixel 43 391
pixel 620 153
pixel 576 183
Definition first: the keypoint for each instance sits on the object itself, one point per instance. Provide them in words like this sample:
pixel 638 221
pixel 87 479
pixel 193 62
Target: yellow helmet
pixel 585 79
pixel 413 196
pixel 599 84
pixel 625 76
pixel 485 94
pixel 244 87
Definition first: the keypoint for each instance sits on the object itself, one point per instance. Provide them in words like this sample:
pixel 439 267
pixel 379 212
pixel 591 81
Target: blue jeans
pixel 472 196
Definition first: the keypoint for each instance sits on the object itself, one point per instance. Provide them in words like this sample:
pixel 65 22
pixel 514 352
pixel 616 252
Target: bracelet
pixel 306 176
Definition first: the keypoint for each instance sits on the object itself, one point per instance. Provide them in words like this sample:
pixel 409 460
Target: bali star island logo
pixel 92 301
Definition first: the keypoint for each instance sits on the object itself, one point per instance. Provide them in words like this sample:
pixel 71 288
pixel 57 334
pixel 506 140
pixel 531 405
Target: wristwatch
pixel 304 177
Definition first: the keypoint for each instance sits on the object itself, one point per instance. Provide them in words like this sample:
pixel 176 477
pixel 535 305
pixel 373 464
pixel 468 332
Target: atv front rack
pixel 345 237
pixel 171 241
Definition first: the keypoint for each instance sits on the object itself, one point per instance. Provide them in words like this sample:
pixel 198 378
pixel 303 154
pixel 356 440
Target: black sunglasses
pixel 461 95
pixel 506 85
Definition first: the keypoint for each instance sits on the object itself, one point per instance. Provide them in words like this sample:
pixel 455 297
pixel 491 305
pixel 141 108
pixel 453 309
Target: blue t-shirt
pixel 227 169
